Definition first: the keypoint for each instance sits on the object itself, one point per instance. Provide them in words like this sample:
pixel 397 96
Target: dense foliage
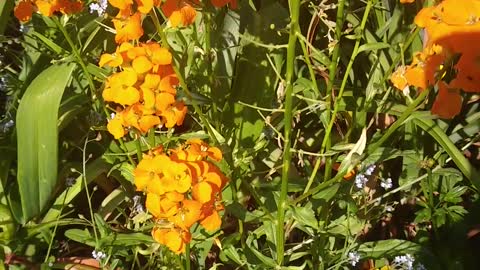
pixel 239 134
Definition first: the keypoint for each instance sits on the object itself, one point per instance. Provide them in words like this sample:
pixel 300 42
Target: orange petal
pixel 115 128
pixel 202 192
pixel 141 64
pixel 23 11
pixel 212 222
pixel 448 102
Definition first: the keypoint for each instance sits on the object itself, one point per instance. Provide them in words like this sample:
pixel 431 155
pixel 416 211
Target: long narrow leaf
pixel 37 138
pixel 457 156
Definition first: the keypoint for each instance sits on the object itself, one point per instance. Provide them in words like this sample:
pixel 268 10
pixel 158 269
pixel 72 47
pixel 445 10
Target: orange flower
pixel 147 171
pixel 187 214
pixel 212 222
pixel 120 88
pixel 129 28
pixel 449 57
pixel 121 4
pixel 175 239
pixel 448 102
pixel 115 127
pixel 233 3
pixel 23 11
pixel 179 12
pixel 176 176
pixel 403 1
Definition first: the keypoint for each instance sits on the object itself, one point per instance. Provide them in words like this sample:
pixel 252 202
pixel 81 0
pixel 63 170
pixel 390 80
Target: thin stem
pixel 138 147
pixel 84 178
pixel 179 75
pixel 187 256
pixel 78 55
pixel 55 228
pixel 332 73
pixel 288 117
pixel 325 142
pixel 310 67
pixel 399 121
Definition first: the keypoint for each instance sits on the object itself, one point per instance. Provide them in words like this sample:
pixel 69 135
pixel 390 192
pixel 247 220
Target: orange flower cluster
pixel 183 187
pixel 145 87
pixel 128 21
pixel 450 55
pixel 25 8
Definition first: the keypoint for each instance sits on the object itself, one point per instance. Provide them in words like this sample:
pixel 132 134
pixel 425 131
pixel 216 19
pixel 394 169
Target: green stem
pixel 332 73
pixel 84 178
pixel 187 256
pixel 325 145
pixel 310 67
pixel 56 226
pixel 78 56
pixel 400 120
pixel 179 75
pixel 138 147
pixel 288 117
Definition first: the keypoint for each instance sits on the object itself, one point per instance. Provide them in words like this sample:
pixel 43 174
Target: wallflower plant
pixel 228 134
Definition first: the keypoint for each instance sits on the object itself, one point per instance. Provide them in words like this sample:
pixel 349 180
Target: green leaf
pixel 81 236
pixel 457 156
pixel 37 138
pixel 5 10
pixel 387 248
pixel 304 215
pixel 373 46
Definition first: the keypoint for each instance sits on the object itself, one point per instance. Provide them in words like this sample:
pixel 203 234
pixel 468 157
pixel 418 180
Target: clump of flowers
pixel 144 89
pixel 183 188
pixel 449 57
pixel 25 8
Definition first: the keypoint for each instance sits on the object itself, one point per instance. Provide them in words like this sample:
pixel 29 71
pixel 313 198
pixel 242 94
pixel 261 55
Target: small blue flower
pixel 353 258
pixel 99 7
pixel 386 183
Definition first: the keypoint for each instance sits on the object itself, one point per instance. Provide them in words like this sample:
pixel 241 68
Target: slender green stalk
pixel 78 56
pixel 345 77
pixel 332 72
pixel 399 121
pixel 55 228
pixel 210 71
pixel 310 67
pixel 288 117
pixel 84 178
pixel 183 84
pixel 187 256
pixel 138 146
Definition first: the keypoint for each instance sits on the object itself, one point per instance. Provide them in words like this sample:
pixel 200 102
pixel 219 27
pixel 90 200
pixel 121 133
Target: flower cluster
pixel 183 187
pixel 449 58
pixel 128 21
pixel 145 88
pixel 404 262
pixel 25 8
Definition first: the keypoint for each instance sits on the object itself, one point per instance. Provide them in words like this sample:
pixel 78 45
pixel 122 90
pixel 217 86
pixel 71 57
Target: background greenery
pixel 288 91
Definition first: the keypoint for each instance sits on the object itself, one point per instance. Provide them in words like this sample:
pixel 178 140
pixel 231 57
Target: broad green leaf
pixel 37 138
pixel 6 8
pixel 457 156
pixel 387 248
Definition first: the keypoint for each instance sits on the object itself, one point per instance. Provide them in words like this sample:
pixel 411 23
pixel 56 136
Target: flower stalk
pixel 288 117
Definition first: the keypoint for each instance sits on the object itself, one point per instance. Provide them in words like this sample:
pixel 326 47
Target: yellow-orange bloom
pixel 129 28
pixel 175 239
pixel 23 11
